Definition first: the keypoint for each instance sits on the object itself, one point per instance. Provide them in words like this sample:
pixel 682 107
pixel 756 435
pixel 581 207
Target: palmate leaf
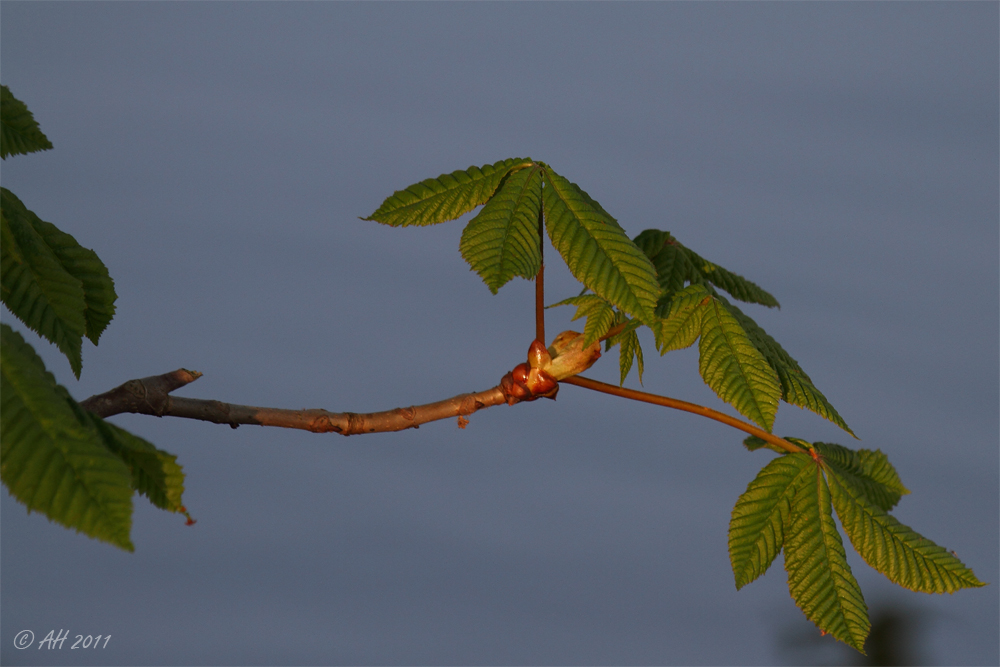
pixel 597 251
pixel 755 528
pixel 819 577
pixel 84 265
pixel 629 351
pixel 673 268
pixel 867 471
pixel 19 132
pixel 503 240
pixel 155 473
pixel 897 551
pixel 681 323
pixel 447 197
pixel 677 264
pixel 35 285
pixel 50 461
pixel 734 369
pixel 737 286
pixel 796 387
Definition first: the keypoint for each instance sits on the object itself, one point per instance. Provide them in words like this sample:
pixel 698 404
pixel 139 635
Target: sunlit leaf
pixel 597 251
pixel 503 240
pixel 897 551
pixel 447 197
pixel 755 529
pixel 734 369
pixel 819 577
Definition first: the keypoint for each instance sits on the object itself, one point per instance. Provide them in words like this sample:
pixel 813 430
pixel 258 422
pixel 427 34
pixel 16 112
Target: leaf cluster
pixel 789 507
pixel 56 458
pixel 652 280
pixel 655 281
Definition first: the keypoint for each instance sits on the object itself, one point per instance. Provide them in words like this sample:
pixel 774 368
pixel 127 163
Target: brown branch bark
pixel 151 396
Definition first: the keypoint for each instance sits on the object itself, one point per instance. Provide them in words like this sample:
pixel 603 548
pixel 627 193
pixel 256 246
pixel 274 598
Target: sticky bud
pixel 538 356
pixel 569 357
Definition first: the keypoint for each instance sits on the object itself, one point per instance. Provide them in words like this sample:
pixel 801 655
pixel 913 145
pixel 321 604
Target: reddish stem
pixel 676 404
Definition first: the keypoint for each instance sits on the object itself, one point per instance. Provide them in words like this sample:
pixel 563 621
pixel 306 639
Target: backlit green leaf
pixel 734 369
pixel 867 471
pixel 819 577
pixel 796 387
pixel 897 551
pixel 597 251
pixel 155 473
pixel 502 241
pixel 447 197
pixel 755 529
pixel 681 323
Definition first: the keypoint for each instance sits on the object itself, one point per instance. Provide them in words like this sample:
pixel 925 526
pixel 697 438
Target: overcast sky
pixel 217 157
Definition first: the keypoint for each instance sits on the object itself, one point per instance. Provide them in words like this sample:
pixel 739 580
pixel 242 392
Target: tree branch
pixel 151 396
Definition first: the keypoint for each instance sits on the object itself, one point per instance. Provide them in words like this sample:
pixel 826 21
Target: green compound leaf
pixel 155 473
pixel 867 471
pixel 629 352
pixel 446 197
pixel 755 528
pixel 503 241
pixel 819 578
pixel 796 387
pixel 597 251
pixel 84 265
pixel 19 132
pixel 673 268
pixel 36 286
pixel 676 265
pixel 681 324
pixel 897 551
pixel 738 287
pixel 734 369
pixel 50 461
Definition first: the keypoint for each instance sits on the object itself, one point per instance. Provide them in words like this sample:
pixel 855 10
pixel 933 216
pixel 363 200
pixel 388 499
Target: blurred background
pixel 217 156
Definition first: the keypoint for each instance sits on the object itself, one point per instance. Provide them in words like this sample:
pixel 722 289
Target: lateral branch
pixel 151 396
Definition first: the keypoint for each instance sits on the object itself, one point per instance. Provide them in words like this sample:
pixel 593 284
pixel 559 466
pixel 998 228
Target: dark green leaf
pixel 19 132
pixel 50 461
pixel 84 265
pixel 35 285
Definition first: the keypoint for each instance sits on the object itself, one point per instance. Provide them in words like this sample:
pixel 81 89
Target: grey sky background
pixel 217 157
